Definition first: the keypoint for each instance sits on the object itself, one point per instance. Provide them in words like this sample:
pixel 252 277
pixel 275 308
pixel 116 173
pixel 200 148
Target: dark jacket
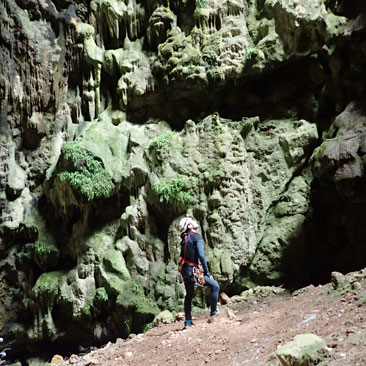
pixel 193 253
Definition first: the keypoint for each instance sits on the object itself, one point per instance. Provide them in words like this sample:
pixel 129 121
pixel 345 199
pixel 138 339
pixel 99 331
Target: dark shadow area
pixel 184 11
pixel 108 87
pixel 165 215
pixel 45 351
pixel 315 87
pixel 284 92
pixel 20 236
pixel 348 8
pixel 104 211
pixel 333 237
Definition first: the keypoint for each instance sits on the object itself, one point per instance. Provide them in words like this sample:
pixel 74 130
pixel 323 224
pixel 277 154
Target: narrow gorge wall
pixel 119 117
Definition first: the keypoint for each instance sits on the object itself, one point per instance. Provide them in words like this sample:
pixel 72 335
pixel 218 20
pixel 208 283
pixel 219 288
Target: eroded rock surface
pixel 119 117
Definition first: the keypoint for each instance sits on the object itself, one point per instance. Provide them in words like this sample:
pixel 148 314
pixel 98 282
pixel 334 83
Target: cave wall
pixel 119 117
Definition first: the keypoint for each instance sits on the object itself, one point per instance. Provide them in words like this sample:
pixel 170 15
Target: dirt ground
pixel 247 333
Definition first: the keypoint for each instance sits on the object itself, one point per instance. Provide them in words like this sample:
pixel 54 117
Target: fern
pixel 163 141
pixel 102 294
pixel 251 51
pixel 90 177
pixel 42 248
pixel 173 191
pixel 201 3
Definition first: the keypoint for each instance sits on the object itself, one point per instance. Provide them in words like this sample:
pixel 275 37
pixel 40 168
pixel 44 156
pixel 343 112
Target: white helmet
pixel 183 224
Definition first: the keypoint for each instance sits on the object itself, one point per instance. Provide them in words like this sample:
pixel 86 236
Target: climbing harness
pixel 197 267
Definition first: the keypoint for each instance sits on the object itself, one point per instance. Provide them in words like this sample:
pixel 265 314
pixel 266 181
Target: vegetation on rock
pixel 173 191
pixel 207 108
pixel 163 141
pixel 101 294
pixel 89 177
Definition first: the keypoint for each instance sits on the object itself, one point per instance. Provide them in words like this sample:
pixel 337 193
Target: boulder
pixel 304 350
pixel 165 317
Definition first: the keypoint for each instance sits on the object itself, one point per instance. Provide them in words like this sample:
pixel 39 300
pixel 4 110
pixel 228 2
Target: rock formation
pixel 119 117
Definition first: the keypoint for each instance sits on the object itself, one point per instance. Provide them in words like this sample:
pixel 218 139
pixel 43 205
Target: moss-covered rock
pixel 305 349
pixel 311 18
pixel 87 174
pixel 165 317
pixel 347 283
pixel 47 286
pixel 148 113
pixel 227 169
pixel 45 254
pixel 115 262
pixel 283 238
pixel 341 155
pixel 133 306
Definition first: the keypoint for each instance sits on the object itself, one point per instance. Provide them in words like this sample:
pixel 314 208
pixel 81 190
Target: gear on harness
pixel 198 275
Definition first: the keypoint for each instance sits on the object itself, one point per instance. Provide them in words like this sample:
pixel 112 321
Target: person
pixel 192 254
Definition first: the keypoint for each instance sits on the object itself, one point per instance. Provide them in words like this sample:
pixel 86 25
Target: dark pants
pixel 190 286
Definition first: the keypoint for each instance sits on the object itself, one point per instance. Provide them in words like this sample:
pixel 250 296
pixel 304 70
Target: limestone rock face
pixel 340 156
pixel 338 163
pixel 117 118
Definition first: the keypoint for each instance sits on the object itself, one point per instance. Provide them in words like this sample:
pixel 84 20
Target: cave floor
pixel 248 333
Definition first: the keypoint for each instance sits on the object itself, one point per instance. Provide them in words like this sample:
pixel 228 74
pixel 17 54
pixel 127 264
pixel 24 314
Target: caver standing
pixel 192 255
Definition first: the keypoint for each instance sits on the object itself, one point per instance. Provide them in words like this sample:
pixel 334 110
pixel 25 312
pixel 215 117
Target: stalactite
pixel 75 106
pixel 234 9
pixel 98 71
pixel 212 17
pixel 91 96
pixel 123 18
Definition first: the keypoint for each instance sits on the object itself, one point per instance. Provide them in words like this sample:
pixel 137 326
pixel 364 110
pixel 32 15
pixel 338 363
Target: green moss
pixel 201 3
pixel 210 57
pixel 163 142
pixel 250 52
pixel 127 326
pixel 305 349
pixel 134 308
pixel 47 284
pixel 42 248
pixel 148 327
pixel 214 175
pixel 227 264
pixel 86 310
pixel 174 190
pixel 101 294
pixel 44 253
pixel 137 288
pixel 115 263
pixel 133 297
pixel 89 178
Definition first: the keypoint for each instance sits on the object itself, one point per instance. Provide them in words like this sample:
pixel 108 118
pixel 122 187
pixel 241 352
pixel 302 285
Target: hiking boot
pixel 188 324
pixel 213 313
